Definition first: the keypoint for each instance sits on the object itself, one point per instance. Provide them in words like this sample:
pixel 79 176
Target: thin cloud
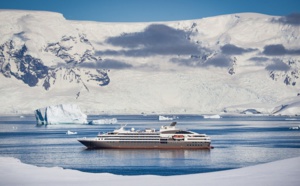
pixel 106 64
pixel 221 61
pixel 153 35
pixel 156 39
pixel 191 62
pixel 259 59
pixel 279 50
pixel 230 49
pixel 293 19
pixel 278 65
pixel 22 36
pixel 109 52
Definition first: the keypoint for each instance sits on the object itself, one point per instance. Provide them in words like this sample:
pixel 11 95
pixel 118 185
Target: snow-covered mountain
pixel 228 63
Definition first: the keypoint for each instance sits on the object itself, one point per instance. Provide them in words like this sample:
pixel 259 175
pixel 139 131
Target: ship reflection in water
pixel 158 157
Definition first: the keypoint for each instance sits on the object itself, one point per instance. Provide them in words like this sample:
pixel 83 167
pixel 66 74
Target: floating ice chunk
pixel 290 119
pixel 164 118
pixel 60 114
pixel 212 116
pixel 295 128
pixel 70 132
pixel 104 121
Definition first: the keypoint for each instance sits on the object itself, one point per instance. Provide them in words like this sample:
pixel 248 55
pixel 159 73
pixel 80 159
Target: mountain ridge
pixel 210 65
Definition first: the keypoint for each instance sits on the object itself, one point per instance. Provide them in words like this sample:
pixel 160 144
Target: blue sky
pixel 152 10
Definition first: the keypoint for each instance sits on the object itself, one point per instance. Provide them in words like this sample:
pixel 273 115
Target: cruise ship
pixel 167 137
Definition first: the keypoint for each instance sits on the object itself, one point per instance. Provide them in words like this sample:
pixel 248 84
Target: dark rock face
pixel 15 62
pixel 231 69
pixel 288 78
pixel 63 49
pixel 101 77
pixel 28 69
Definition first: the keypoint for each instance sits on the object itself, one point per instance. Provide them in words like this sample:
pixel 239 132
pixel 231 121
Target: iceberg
pixel 70 132
pixel 295 128
pixel 60 114
pixel 164 118
pixel 212 116
pixel 104 121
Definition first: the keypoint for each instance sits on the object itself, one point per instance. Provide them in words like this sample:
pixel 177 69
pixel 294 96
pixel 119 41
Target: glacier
pixel 60 114
pixel 222 64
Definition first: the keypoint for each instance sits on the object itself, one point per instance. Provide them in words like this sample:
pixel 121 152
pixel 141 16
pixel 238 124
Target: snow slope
pixel 283 172
pixel 227 63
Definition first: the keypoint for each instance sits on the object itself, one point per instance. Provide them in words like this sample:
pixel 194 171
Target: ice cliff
pixel 60 114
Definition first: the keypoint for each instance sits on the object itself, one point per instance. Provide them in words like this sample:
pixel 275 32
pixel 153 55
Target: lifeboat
pixel 178 137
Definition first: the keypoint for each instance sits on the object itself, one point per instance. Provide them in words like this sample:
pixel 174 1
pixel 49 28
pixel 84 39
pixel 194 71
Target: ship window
pixel 183 132
pixel 170 132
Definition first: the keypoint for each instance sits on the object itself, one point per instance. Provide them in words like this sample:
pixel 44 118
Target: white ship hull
pixel 94 143
pixel 168 137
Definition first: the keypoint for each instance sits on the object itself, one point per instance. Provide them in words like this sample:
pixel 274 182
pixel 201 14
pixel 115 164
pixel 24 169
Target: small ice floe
pixel 166 118
pixel 212 116
pixel 70 132
pixel 104 121
pixel 290 119
pixel 295 128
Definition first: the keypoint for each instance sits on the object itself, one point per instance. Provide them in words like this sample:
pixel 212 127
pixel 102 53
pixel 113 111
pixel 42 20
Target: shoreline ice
pixel 283 172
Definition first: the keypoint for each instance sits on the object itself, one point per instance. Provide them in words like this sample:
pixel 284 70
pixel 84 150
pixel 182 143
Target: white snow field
pixel 227 63
pixel 283 172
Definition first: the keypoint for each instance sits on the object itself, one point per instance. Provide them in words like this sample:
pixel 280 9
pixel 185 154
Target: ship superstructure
pixel 167 137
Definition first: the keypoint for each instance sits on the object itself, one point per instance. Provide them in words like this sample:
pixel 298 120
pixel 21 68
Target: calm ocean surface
pixel 238 142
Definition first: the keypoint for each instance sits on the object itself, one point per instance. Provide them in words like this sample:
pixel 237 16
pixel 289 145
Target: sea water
pixel 238 142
